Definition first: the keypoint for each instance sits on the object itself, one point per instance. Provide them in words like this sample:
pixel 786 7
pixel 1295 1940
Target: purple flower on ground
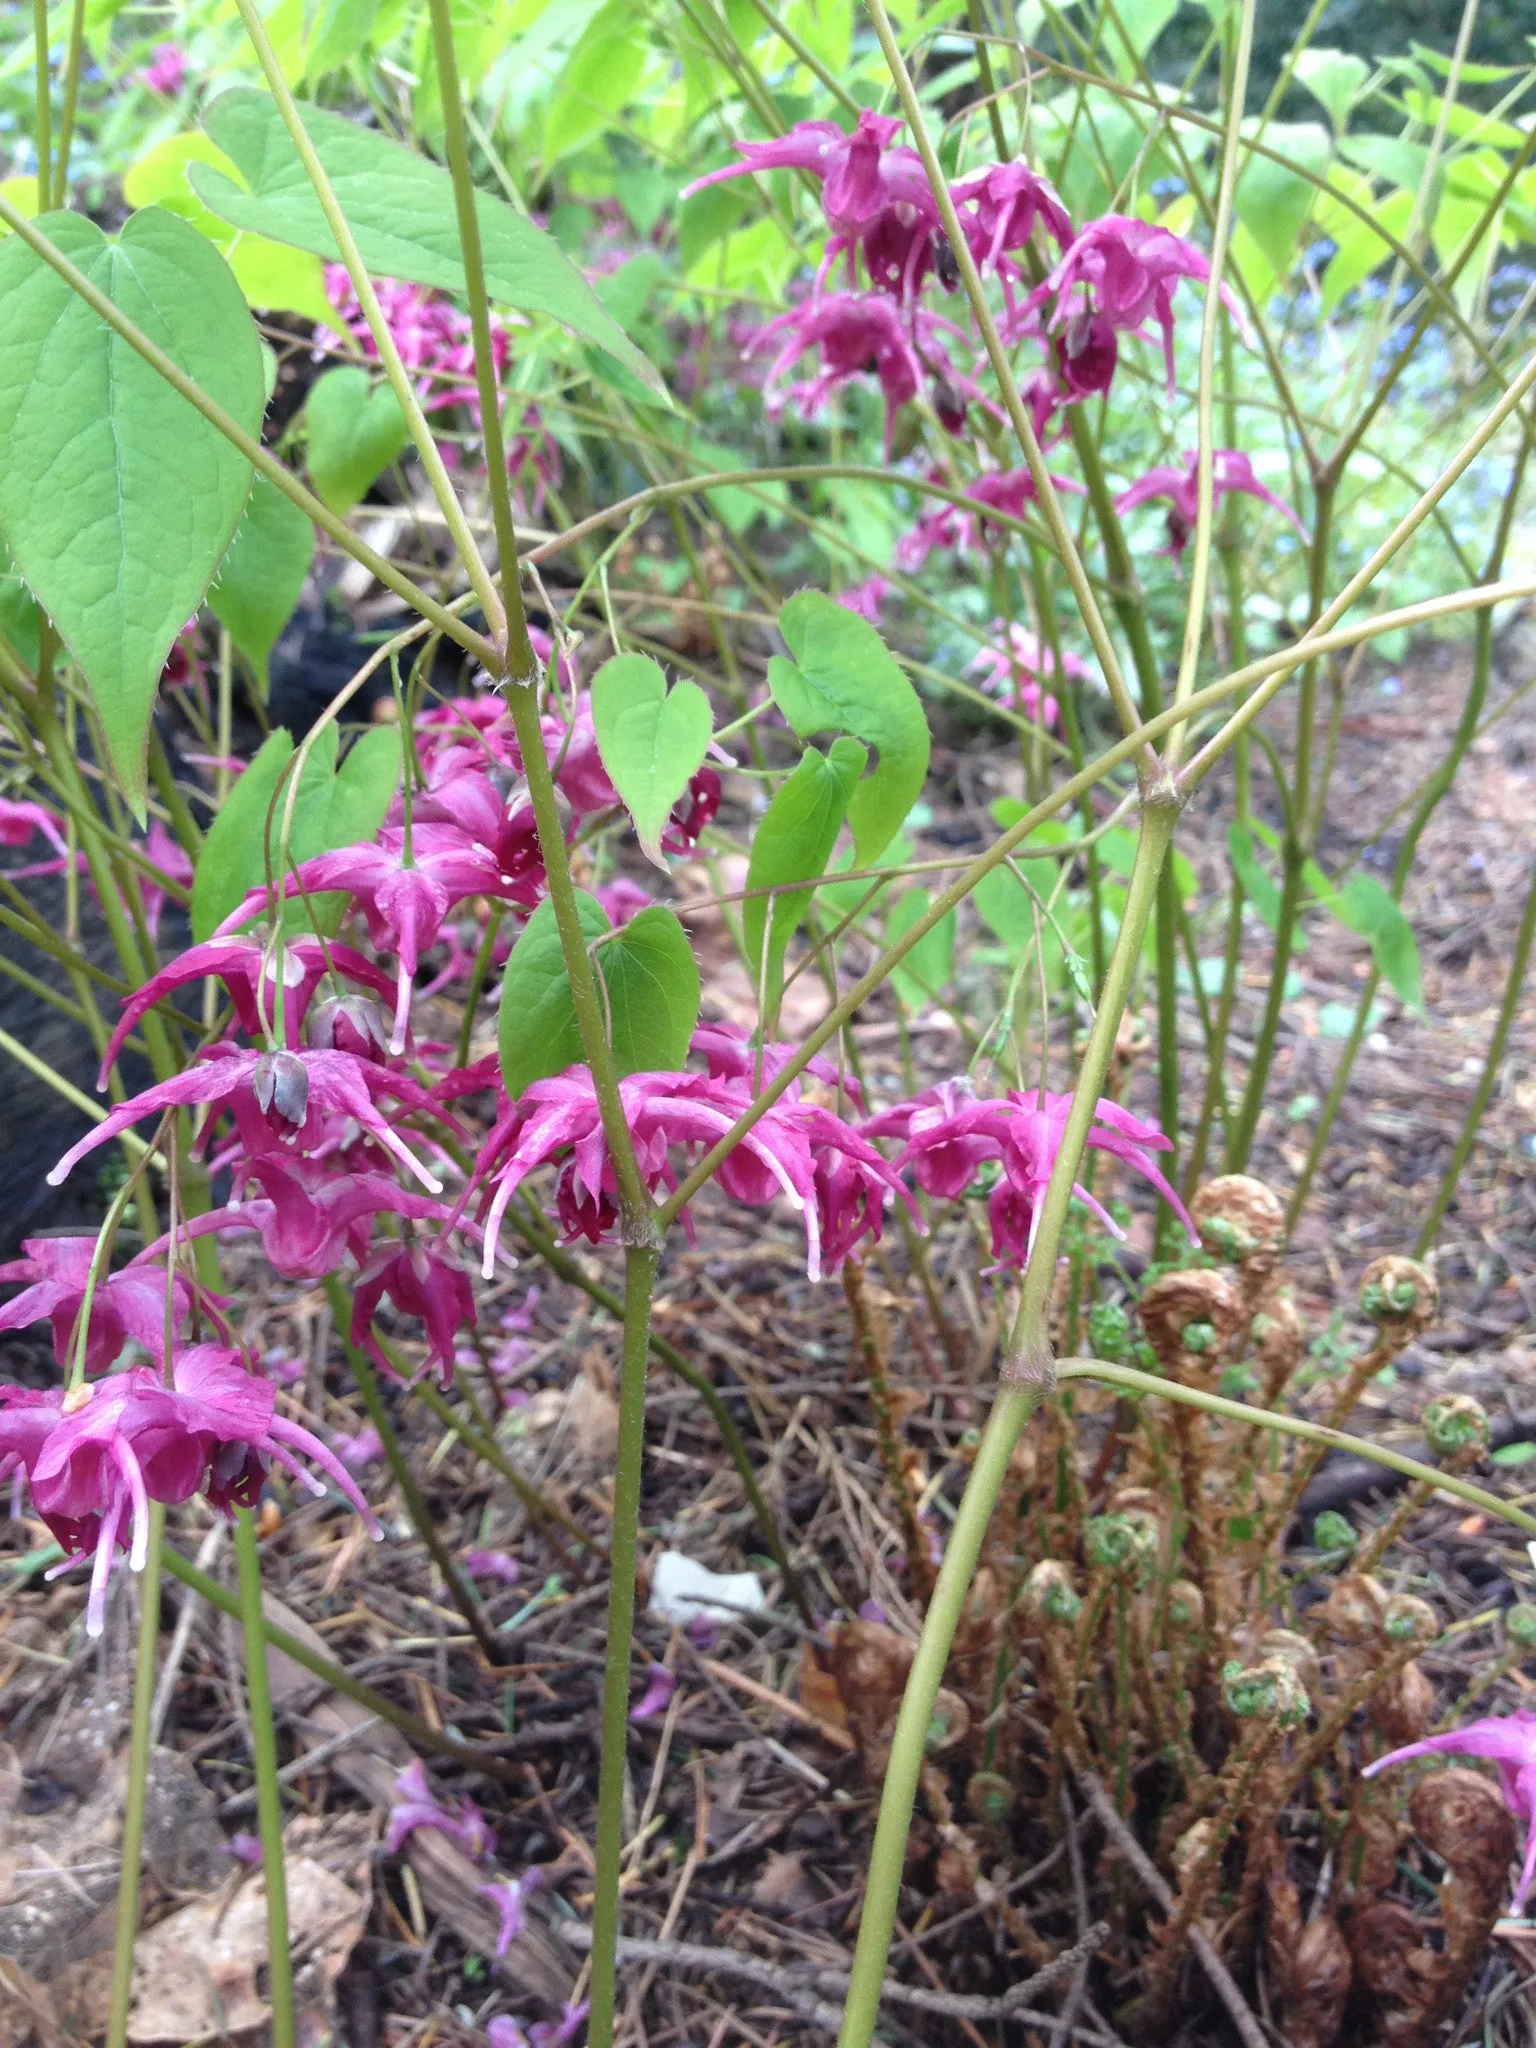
pixel 949 1132
pixel 1231 471
pixel 166 73
pixel 493 1564
pixel 871 1610
pixel 510 1895
pixel 1125 271
pixel 562 2032
pixel 360 1451
pixel 1509 1740
pixel 245 1848
pixel 504 2032
pixel 659 1688
pixel 416 1807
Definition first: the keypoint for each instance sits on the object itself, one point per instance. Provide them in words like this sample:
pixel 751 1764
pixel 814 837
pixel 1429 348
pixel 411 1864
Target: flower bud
pixel 989 1797
pixel 352 1024
pixel 1406 1619
pixel 1049 1594
pixel 1270 1691
pixel 1455 1426
pixel 280 1081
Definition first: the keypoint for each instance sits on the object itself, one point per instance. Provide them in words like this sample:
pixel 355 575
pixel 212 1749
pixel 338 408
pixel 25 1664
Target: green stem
pixel 131 1851
pixel 71 95
pixel 1134 1382
pixel 1026 1376
pixel 479 974
pixel 560 1261
pixel 1491 1064
pixel 269 1798
pixel 459 1590
pixel 639 1277
pixel 44 136
pixel 264 463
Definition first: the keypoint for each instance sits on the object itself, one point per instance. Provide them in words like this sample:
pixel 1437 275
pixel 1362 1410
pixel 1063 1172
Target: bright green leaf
pixel 844 678
pixel 652 984
pixel 117 498
pixel 650 987
pixel 1261 889
pixel 652 739
pixel 537 1033
pixel 1359 248
pixel 1334 77
pixel 279 279
pixel 1273 200
pixel 925 972
pixel 356 429
pixel 600 75
pixel 262 577
pixel 1368 907
pixel 400 209
pixel 331 810
pixel 793 843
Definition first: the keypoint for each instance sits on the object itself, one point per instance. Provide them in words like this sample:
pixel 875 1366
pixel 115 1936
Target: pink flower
pixel 245 1848
pixel 279 1101
pixel 247 966
pixel 823 1168
pixel 965 526
pixel 848 165
pixel 1086 352
pixel 128 1304
pixel 1013 669
pixel 416 1807
pixel 867 598
pixel 949 1132
pixel 1510 1741
pixel 729 1053
pixel 1232 471
pixel 623 899
pixel 167 72
pixel 562 2032
pixel 504 2032
pixel 19 820
pixel 421 1281
pixel 1125 271
pixel 510 1898
pixel 310 1218
pixel 999 206
pixel 693 813
pixel 493 1564
pixel 171 858
pixel 659 1688
pixel 857 332
pixel 358 1452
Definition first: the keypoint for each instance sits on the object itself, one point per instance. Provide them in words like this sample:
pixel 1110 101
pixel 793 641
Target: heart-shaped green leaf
pixel 650 989
pixel 844 678
pixel 400 208
pixel 262 577
pixel 356 429
pixel 652 739
pixel 116 496
pixel 793 843
pixel 333 808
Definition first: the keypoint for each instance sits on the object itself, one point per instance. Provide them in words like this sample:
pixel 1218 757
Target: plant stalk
pixel 269 1798
pixel 131 1852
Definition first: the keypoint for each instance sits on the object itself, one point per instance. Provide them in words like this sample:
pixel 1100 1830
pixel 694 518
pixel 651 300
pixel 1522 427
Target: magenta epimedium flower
pixel 166 73
pixel 1014 669
pixel 950 1132
pixel 421 1280
pixel 509 1895
pixel 1231 471
pixel 965 526
pixel 279 1101
pixel 96 1456
pixel 858 332
pixel 849 167
pixel 1508 1740
pixel 1122 272
pixel 416 1806
pixel 248 967
pixel 128 1304
pixel 999 207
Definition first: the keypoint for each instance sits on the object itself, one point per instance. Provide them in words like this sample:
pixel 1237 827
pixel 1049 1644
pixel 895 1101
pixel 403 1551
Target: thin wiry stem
pixel 131 1851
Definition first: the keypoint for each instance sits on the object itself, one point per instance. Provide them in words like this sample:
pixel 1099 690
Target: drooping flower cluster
pixel 436 344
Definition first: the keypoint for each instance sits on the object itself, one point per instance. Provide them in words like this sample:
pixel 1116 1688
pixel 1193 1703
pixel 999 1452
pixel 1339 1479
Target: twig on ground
pixel 1222 1982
